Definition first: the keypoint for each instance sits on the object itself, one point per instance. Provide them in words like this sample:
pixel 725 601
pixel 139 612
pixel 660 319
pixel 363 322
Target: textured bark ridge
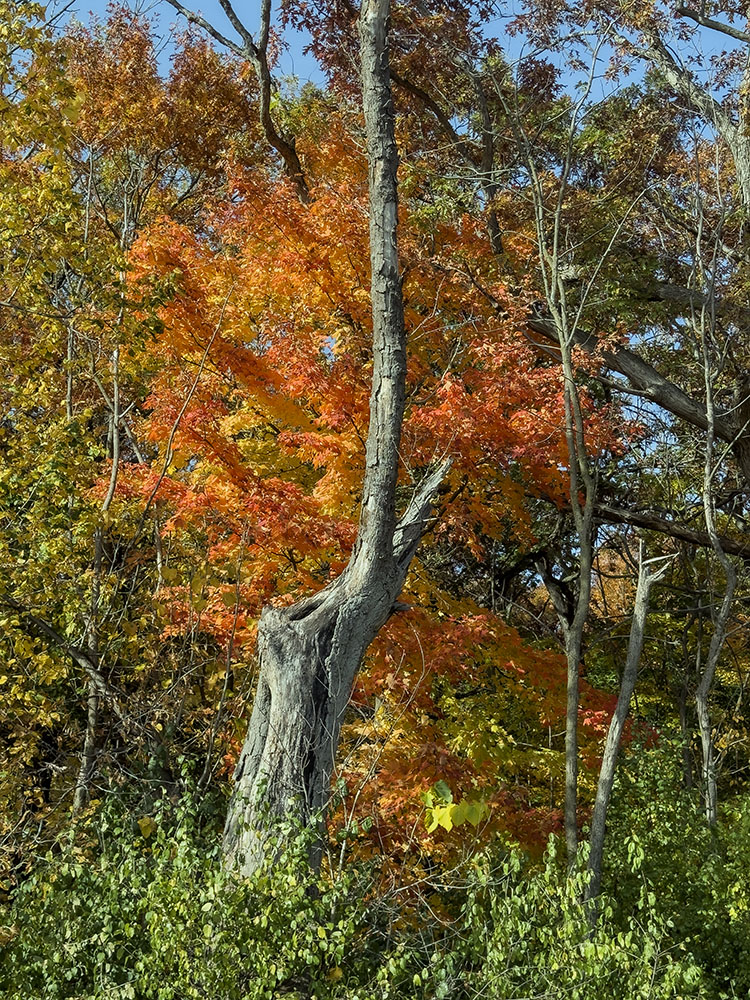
pixel 310 653
pixel 309 657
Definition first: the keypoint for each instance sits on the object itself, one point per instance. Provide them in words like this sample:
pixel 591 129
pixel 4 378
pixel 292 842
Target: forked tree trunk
pixel 310 653
pixel 703 691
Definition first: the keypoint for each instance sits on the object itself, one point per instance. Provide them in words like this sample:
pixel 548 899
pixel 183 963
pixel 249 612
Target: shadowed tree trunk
pixel 310 653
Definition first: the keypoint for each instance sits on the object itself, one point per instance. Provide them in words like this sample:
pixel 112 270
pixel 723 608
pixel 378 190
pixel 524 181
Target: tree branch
pixel 698 99
pixel 239 27
pixel 411 526
pixel 709 22
pixel 682 82
pixel 654 522
pixel 649 383
pixel 80 656
pixel 464 148
pixel 194 18
pixel 257 54
pixel 441 117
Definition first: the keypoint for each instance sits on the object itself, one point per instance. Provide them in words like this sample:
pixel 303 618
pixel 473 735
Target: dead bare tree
pixel 650 571
pixel 309 654
pixel 548 195
pixel 712 357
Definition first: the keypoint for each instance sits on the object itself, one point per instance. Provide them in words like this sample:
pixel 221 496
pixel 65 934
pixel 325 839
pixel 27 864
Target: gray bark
pixel 703 691
pixel 572 612
pixel 687 764
pixel 571 745
pixel 720 619
pixel 88 756
pixel 700 101
pixel 87 767
pixel 646 580
pixel 310 653
pixel 655 522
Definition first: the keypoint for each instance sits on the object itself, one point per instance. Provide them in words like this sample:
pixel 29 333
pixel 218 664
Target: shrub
pixel 144 911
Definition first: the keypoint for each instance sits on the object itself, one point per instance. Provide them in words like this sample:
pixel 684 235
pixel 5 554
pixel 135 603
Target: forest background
pixel 421 574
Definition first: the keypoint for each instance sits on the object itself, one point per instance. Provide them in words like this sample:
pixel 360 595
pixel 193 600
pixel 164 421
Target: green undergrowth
pixel 142 910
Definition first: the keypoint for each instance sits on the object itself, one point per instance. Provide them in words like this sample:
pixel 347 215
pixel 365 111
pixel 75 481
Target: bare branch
pixel 699 100
pixel 411 526
pixel 683 82
pixel 650 383
pixel 646 580
pixel 265 23
pixel 655 522
pixel 194 18
pixel 464 148
pixel 257 54
pixel 709 22
pixel 443 119
pixel 238 26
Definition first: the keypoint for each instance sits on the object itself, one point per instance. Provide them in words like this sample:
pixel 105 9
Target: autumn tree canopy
pixel 377 448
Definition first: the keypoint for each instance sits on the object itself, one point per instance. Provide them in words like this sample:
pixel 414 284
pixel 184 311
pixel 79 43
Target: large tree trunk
pixel 309 656
pixel 310 653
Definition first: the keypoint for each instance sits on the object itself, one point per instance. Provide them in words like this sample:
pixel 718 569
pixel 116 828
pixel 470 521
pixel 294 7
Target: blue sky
pixel 294 61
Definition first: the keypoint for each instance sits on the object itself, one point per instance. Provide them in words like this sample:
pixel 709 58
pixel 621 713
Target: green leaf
pixel 443 816
pixel 458 812
pixel 476 811
pixel 443 792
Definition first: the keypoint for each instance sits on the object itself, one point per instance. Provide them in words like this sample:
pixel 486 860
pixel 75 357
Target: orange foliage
pixel 259 406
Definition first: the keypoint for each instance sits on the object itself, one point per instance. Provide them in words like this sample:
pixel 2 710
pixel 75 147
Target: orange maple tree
pixel 259 411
